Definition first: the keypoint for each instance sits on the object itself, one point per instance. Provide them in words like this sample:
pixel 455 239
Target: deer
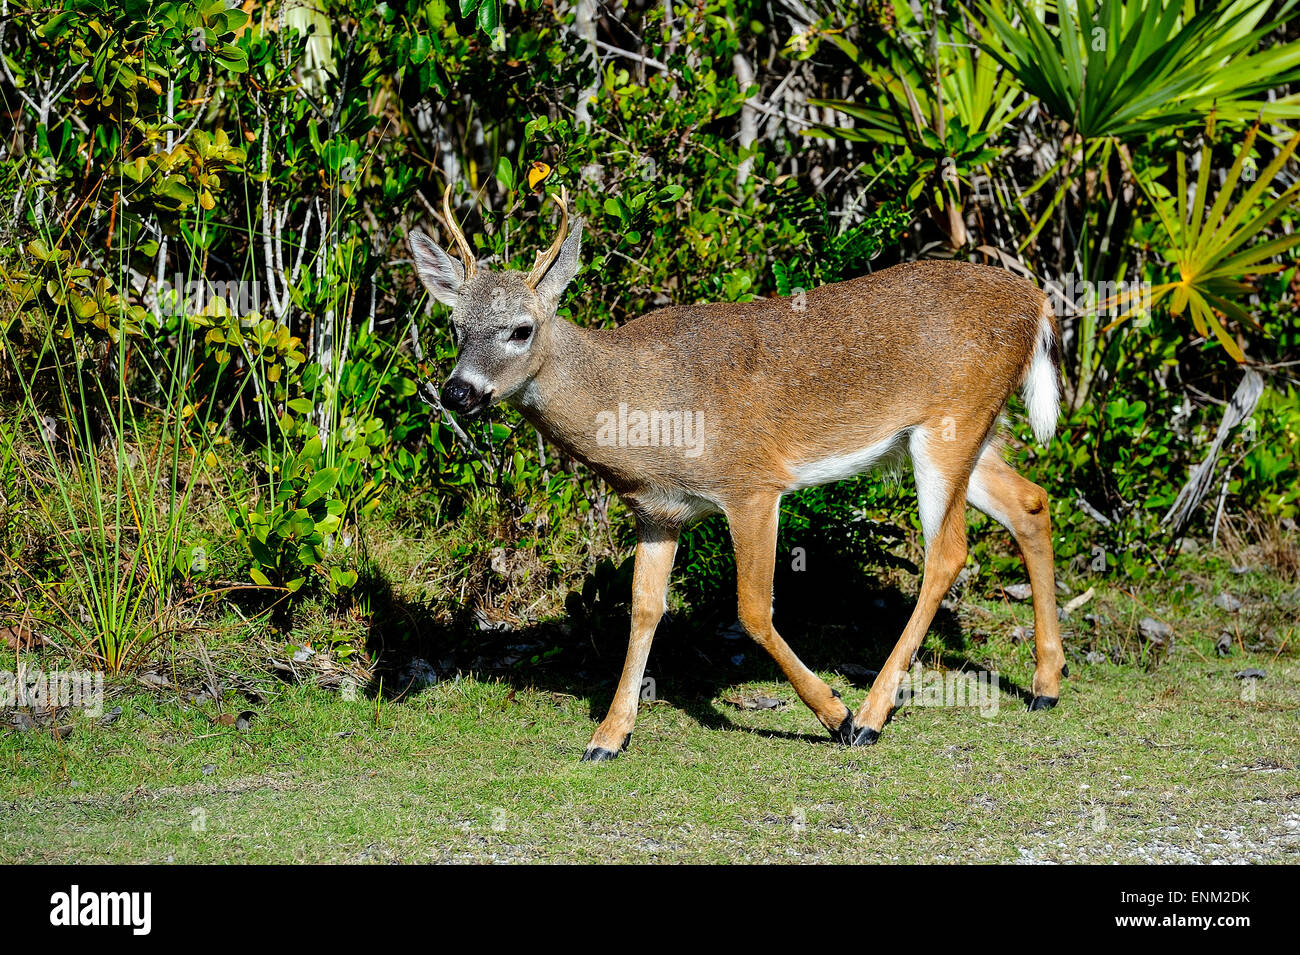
pixel 692 410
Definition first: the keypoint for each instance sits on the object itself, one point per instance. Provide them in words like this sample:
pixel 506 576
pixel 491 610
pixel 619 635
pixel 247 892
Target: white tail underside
pixel 1040 390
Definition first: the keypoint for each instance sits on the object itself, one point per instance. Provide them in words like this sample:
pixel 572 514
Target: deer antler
pixel 546 259
pixel 462 246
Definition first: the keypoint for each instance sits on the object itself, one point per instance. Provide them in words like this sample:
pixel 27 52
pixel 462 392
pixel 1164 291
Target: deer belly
pixel 838 467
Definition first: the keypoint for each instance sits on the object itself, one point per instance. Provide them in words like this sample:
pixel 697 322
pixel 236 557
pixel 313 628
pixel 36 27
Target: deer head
pixel 500 319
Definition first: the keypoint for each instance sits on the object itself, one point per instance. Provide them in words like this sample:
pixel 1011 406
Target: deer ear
pixel 565 266
pixel 442 275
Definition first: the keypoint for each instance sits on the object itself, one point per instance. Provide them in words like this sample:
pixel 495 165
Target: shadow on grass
pixel 836 614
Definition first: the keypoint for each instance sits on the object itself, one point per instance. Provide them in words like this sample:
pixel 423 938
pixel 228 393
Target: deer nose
pixel 460 395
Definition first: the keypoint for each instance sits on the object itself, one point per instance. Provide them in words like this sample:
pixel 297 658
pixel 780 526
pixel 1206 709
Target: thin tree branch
pixel 638 57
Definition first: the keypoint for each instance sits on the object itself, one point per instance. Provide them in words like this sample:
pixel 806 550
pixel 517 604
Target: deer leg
pixel 1020 506
pixel 941 471
pixel 753 533
pixel 656 547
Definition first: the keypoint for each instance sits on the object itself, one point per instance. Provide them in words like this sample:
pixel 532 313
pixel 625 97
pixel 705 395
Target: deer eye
pixel 521 333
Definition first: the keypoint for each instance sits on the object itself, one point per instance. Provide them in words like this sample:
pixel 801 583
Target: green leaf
pixel 321 484
pixel 309 453
pixel 39 250
pixel 506 173
pixel 420 49
pixel 489 15
pixel 231 20
pixel 232 58
pixel 261 552
pixel 178 191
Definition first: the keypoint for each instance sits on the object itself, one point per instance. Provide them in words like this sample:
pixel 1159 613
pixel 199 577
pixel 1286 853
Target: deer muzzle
pixel 460 395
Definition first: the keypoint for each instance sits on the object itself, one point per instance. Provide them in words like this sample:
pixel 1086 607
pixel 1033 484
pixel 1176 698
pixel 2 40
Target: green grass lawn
pixel 1166 763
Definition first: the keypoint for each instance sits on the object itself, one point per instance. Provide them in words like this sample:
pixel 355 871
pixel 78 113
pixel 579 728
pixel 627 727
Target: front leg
pixel 656 547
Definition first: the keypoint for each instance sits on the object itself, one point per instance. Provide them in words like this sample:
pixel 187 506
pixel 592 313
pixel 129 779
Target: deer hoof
pixel 1042 703
pixel 844 732
pixel 599 754
pixel 865 736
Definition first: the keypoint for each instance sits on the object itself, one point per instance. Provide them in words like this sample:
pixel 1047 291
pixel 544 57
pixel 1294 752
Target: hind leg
pixel 942 469
pixel 1021 506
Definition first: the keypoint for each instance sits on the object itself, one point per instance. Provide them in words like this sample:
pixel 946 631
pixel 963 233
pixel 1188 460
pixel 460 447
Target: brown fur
pixel 866 359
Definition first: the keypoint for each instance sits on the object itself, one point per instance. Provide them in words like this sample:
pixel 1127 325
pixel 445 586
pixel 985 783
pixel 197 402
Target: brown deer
pixel 698 409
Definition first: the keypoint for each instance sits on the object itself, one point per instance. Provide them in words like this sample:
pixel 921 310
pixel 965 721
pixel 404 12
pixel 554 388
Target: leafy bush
pixel 206 257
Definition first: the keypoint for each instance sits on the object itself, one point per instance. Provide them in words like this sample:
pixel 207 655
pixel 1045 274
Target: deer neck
pixel 578 380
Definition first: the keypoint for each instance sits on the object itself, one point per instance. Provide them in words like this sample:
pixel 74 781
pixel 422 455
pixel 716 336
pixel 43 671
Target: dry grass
pixel 1257 540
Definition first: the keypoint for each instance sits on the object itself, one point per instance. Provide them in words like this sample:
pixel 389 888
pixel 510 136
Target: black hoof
pixel 599 754
pixel 844 732
pixel 1042 703
pixel 866 736
pixel 1065 669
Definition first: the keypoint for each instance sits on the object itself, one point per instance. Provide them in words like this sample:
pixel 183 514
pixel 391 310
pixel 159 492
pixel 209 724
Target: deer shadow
pixel 836 612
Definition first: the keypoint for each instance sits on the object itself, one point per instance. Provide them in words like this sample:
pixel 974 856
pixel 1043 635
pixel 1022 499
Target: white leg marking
pixel 931 487
pixel 978 496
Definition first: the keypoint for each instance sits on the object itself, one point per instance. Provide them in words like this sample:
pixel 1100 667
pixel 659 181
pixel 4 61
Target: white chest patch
pixel 841 466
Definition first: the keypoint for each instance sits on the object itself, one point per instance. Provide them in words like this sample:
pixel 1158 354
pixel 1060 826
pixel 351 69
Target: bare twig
pixel 429 395
pixel 638 57
pixel 584 24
